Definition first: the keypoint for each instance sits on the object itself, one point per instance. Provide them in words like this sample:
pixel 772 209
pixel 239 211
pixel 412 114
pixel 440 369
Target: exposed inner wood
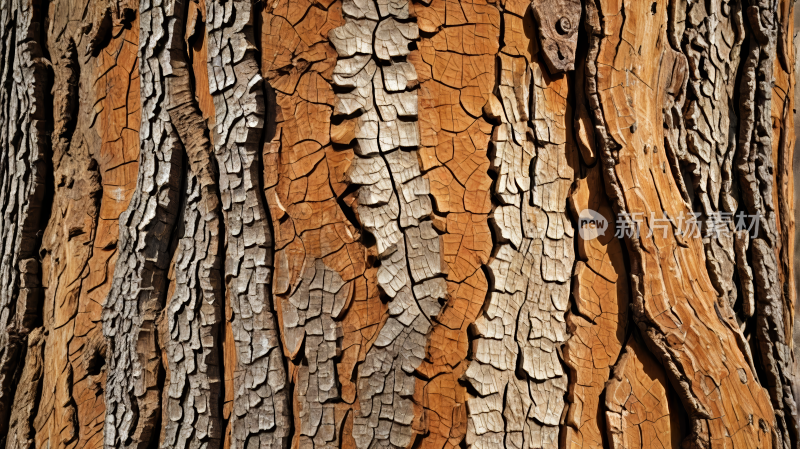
pixel 673 301
pixel 641 412
pixel 598 323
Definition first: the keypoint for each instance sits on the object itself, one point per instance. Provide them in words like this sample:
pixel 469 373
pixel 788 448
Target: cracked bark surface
pixel 194 309
pixel 260 414
pixel 454 157
pixel 598 323
pixel 363 224
pixel 524 323
pixel 755 166
pixel 393 205
pixel 326 299
pixel 23 127
pixel 640 410
pixel 138 293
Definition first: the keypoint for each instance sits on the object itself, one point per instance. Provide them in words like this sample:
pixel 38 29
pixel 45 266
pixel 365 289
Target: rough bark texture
pixel 398 224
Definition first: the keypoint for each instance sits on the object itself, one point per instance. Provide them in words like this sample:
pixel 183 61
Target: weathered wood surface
pixel 640 409
pixel 598 323
pixel 362 224
pixel 673 301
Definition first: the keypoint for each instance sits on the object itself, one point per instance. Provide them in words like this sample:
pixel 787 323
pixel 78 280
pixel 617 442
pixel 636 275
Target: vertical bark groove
pixel 616 126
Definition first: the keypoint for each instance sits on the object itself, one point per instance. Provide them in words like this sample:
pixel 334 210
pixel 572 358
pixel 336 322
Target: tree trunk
pixel 398 224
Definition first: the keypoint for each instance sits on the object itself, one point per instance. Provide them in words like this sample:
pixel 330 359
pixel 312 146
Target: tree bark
pixel 398 224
